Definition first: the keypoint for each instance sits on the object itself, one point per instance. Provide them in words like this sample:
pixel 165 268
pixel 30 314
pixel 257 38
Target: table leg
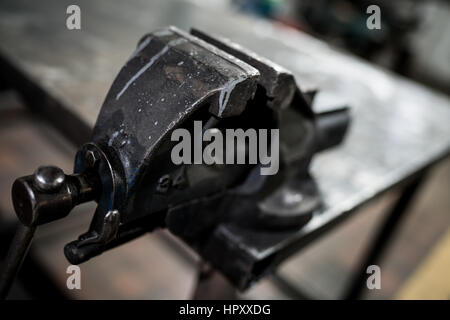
pixel 16 254
pixel 382 237
pixel 211 285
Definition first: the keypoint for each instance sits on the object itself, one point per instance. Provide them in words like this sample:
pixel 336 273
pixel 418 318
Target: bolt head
pixel 163 184
pixel 91 157
pixel 49 178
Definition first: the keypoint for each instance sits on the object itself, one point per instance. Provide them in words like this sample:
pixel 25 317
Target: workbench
pixel 399 128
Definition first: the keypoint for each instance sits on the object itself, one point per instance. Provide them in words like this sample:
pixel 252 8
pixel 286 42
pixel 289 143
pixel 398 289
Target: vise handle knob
pixel 49 194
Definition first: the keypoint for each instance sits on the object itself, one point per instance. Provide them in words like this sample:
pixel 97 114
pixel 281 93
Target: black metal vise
pixel 170 81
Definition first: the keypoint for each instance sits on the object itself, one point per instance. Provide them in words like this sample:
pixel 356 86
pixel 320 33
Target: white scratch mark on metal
pixel 164 32
pixel 140 47
pixel 149 64
pixel 226 92
pixel 113 136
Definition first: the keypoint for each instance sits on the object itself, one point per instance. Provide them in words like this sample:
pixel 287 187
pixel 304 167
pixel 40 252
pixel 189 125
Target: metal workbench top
pixel 398 127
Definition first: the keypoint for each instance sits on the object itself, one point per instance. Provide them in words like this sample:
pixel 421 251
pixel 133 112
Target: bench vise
pixel 173 79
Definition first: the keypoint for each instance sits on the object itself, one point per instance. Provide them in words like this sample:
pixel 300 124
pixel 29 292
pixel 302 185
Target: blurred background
pixel 413 39
pixel 413 42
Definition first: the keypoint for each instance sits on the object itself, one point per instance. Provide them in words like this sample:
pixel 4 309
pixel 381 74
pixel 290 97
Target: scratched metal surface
pixel 398 126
